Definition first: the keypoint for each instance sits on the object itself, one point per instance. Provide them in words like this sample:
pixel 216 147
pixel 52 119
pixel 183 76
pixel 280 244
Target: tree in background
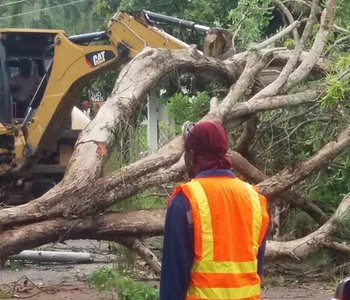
pixel 73 16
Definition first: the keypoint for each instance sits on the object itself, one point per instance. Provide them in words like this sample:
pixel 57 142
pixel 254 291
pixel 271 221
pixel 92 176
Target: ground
pixel 46 281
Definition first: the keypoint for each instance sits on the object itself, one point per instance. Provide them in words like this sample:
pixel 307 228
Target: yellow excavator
pixel 36 143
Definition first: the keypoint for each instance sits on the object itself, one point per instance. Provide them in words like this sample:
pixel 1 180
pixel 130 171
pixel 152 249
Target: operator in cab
pixel 23 87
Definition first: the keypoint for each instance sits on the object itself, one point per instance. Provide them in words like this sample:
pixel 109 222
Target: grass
pixel 4 295
pixel 125 262
pixel 15 265
pixel 109 280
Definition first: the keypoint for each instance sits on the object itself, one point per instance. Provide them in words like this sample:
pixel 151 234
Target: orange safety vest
pixel 230 220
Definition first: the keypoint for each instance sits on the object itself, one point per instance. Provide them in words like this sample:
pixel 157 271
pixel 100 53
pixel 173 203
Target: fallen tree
pixel 76 207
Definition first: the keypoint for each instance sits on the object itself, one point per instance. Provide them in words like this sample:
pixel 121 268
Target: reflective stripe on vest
pixel 257 216
pixel 212 279
pixel 245 292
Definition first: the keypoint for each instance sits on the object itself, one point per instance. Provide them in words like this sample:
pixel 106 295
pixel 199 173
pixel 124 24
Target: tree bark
pixel 110 226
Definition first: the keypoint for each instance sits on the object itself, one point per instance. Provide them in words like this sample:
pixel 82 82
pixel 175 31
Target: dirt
pixel 69 281
pixel 82 291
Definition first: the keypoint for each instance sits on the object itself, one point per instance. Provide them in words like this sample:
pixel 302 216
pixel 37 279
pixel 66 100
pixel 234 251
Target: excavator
pixel 35 145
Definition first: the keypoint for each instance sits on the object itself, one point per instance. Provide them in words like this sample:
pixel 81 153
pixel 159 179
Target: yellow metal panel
pixel 136 35
pixel 69 67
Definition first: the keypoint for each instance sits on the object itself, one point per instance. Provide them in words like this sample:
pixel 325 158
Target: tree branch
pixel 342 247
pixel 286 178
pixel 277 36
pixel 254 175
pixel 302 247
pixel 248 133
pixel 110 226
pixel 289 16
pixel 317 48
pixel 145 253
pixel 255 63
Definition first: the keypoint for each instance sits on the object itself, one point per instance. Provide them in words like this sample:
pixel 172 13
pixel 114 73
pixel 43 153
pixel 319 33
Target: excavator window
pixel 23 84
pixel 25 57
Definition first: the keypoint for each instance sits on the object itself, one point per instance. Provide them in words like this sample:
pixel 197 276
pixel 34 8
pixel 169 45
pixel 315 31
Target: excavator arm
pixel 74 64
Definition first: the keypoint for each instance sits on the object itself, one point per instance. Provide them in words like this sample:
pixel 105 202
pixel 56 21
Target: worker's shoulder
pixel 178 200
pixel 245 184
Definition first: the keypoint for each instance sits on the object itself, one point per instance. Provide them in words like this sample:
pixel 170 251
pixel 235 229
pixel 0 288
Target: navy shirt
pixel 178 253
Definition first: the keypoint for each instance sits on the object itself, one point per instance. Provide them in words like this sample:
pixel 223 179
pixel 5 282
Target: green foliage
pixel 103 83
pixel 297 224
pixel 71 16
pixel 185 108
pixel 130 142
pixel 106 279
pixel 148 199
pixel 125 262
pixel 343 14
pixel 333 185
pixel 335 92
pixel 15 265
pixel 342 232
pixel 178 108
pixel 324 258
pixel 205 12
pixel 103 10
pixel 344 62
pixel 289 43
pixel 249 20
pixel 337 83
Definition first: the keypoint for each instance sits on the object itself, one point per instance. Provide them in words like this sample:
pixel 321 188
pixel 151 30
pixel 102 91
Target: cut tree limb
pixel 109 226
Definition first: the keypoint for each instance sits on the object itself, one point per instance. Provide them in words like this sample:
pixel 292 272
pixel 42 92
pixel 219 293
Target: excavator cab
pixel 24 60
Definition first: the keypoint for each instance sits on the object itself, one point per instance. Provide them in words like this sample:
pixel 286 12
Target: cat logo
pixel 99 58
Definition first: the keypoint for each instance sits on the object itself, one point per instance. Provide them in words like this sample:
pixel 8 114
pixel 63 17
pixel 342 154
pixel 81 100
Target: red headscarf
pixel 208 140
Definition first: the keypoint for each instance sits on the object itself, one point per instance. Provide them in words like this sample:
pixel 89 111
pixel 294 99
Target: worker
pixel 215 227
pixel 23 87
